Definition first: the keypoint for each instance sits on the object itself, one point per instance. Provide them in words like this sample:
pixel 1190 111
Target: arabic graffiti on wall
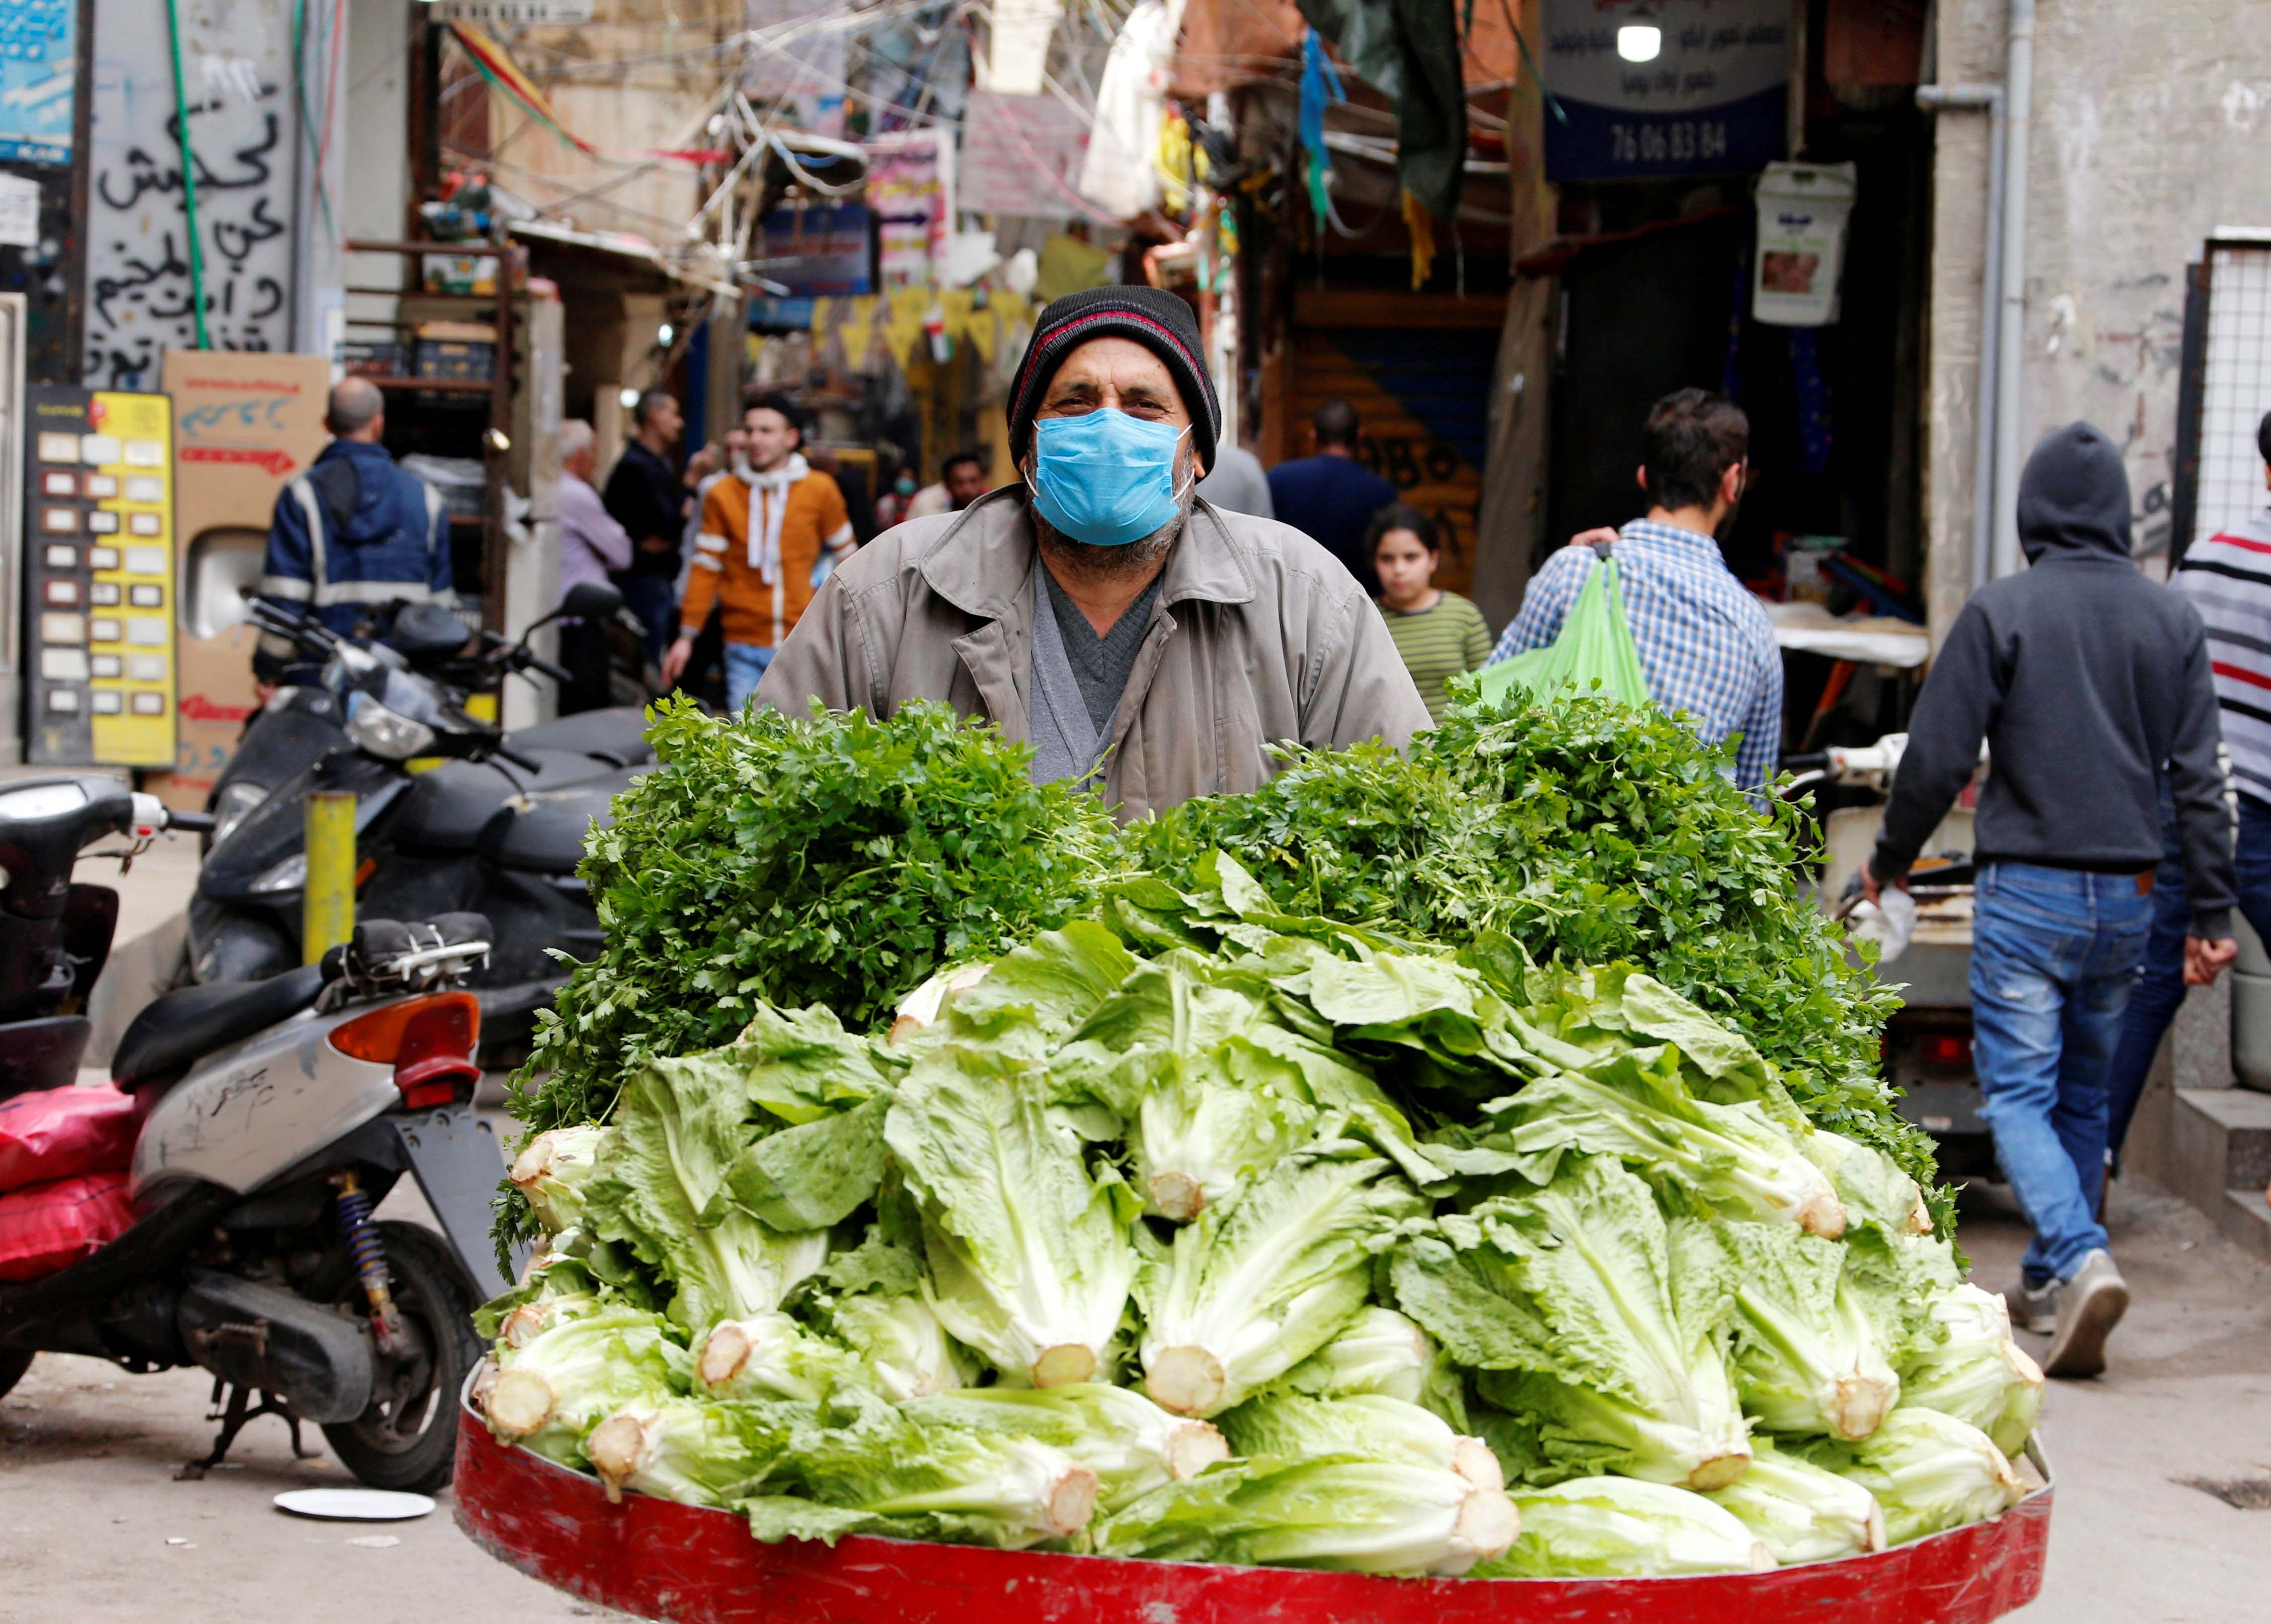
pixel 236 66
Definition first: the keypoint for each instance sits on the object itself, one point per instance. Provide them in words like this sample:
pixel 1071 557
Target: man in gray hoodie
pixel 2088 683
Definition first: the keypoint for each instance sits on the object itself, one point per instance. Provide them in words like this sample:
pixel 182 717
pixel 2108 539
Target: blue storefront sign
pixel 39 73
pixel 1665 87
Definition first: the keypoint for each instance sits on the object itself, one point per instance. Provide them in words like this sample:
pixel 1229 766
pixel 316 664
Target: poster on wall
pixel 1665 87
pixel 98 573
pixel 39 67
pixel 911 188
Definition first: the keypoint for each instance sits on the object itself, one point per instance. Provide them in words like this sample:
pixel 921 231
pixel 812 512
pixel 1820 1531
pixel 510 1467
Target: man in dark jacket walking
pixel 354 533
pixel 2088 683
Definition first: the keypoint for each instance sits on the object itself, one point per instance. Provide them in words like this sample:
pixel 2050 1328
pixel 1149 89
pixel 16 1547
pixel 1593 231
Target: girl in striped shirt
pixel 1438 633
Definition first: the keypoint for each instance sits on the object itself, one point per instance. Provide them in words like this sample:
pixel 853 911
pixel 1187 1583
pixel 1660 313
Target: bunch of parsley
pixel 1588 831
pixel 832 859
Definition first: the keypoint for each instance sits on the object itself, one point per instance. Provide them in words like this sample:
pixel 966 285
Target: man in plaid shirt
pixel 1705 643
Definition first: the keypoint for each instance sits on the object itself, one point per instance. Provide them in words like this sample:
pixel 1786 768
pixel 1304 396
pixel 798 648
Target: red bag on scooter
pixel 52 1225
pixel 61 1132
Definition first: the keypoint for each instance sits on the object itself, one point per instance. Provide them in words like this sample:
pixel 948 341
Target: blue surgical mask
pixel 1105 478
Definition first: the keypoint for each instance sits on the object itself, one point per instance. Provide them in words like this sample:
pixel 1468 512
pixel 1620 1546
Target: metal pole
pixel 2018 117
pixel 1989 99
pixel 327 901
pixel 189 182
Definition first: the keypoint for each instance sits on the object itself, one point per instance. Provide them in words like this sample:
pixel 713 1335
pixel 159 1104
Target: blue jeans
pixel 745 668
pixel 2161 985
pixel 2054 953
pixel 654 600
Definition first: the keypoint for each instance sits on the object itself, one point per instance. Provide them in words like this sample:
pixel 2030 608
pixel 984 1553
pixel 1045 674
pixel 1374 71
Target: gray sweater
pixel 2088 682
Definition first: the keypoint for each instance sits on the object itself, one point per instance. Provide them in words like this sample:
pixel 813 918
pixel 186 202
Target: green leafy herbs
pixel 1580 830
pixel 830 859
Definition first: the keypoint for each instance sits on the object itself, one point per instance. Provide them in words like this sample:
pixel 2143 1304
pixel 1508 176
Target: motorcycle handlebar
pixel 189 822
pixel 536 663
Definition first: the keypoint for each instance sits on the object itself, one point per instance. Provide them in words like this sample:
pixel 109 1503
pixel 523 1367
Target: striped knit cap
pixel 1154 318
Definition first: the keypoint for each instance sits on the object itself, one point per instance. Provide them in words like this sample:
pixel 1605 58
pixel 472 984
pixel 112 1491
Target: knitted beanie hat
pixel 1154 318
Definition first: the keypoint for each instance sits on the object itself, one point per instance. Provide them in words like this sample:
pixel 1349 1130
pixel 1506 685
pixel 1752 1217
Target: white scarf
pixel 768 500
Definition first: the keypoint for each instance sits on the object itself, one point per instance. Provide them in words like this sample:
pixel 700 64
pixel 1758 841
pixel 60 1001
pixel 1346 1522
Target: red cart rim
pixel 658 1559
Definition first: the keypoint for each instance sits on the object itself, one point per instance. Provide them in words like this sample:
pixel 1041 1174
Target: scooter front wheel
pixel 407 1438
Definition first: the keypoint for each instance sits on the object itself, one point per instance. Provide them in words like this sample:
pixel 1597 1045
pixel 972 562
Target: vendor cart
pixel 659 1559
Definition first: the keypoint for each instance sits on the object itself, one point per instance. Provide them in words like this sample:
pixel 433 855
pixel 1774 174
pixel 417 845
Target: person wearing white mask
pixel 1146 642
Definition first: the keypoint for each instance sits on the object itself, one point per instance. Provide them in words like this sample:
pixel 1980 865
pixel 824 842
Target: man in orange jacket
pixel 771 534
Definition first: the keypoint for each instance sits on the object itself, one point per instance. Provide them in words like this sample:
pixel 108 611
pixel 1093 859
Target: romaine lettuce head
pixel 551 1389
pixel 686 1449
pixel 1256 1286
pixel 892 1471
pixel 1872 1188
pixel 552 1171
pixel 770 1356
pixel 1287 1425
pixel 1170 1053
pixel 1132 1445
pixel 1337 1511
pixel 1801 1512
pixel 1617 1320
pixel 1929 1471
pixel 1975 1372
pixel 723 1168
pixel 1030 1252
pixel 1633 1105
pixel 1811 1355
pixel 1380 1351
pixel 1424 1007
pixel 1028 1000
pixel 1625 1528
pixel 904 1348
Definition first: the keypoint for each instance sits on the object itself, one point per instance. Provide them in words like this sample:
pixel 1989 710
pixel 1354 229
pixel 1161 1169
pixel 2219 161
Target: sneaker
pixel 2034 1308
pixel 2091 1302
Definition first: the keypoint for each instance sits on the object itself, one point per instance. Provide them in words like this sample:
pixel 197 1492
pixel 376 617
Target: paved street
pixel 89 1509
pixel 94 1526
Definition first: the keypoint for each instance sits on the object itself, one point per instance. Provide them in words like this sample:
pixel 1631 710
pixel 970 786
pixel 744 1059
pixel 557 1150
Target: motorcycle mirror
pixel 591 600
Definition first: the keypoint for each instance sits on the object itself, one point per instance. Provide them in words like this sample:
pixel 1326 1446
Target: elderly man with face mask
pixel 1146 643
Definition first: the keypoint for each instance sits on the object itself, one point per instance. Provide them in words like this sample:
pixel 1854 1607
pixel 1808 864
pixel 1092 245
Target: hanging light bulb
pixel 664 333
pixel 1639 41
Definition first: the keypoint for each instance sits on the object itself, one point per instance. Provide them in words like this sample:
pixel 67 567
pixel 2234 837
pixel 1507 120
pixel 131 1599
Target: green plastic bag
pixel 1595 646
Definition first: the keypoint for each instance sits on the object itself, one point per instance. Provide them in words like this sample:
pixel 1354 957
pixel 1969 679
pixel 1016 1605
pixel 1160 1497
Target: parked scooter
pixel 1928 1040
pixel 492 824
pixel 302 722
pixel 273 1118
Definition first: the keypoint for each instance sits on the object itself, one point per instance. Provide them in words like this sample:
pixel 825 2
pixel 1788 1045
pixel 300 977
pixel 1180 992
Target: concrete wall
pixel 269 253
pixel 2152 126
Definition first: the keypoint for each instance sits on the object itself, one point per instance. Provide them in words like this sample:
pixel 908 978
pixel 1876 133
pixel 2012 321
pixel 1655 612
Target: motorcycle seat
pixel 544 832
pixel 617 736
pixel 447 807
pixel 191 1022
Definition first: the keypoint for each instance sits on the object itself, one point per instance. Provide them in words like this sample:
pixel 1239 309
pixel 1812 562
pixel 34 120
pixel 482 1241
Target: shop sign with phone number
pixel 1665 87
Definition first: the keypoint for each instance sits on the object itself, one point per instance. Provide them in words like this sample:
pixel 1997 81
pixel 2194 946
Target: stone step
pixel 2221 1160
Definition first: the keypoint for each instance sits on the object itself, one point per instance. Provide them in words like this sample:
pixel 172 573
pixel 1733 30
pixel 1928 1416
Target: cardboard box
pixel 243 423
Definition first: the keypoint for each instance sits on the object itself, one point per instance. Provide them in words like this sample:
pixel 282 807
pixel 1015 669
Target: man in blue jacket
pixel 353 533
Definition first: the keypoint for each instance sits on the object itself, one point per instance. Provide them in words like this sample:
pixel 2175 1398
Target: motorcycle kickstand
pixel 239 1413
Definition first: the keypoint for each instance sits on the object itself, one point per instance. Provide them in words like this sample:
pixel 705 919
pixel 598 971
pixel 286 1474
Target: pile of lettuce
pixel 1201 1228
pixel 1588 832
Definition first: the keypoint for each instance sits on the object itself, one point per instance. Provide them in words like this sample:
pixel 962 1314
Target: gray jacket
pixel 1260 635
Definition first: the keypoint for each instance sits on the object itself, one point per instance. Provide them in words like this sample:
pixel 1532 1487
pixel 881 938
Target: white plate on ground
pixel 355 1505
